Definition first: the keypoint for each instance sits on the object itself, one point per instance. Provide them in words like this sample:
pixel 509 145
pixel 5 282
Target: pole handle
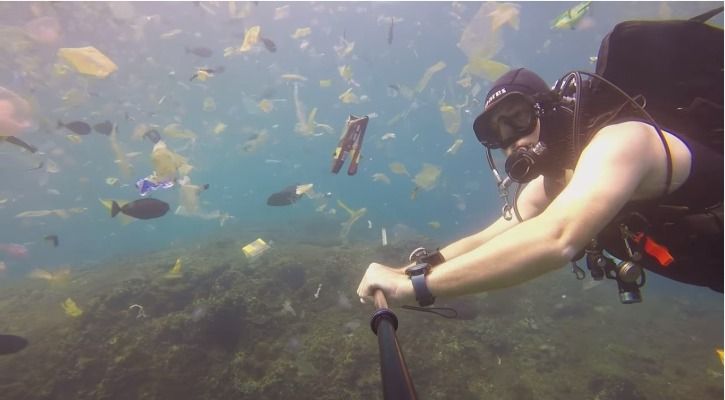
pixel 380 300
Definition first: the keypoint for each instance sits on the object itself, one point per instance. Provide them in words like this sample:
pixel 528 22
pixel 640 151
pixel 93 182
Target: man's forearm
pixel 523 252
pixel 470 243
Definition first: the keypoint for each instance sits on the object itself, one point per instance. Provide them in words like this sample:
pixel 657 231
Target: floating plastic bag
pixel 479 39
pixel 451 118
pixel 423 82
pixel 486 69
pixel 88 61
pixel 255 249
pixel 251 37
pixel 428 176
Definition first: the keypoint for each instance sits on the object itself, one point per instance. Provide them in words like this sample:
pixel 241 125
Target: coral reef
pixel 224 329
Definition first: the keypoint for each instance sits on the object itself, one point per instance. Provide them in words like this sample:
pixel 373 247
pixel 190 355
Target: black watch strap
pixel 422 295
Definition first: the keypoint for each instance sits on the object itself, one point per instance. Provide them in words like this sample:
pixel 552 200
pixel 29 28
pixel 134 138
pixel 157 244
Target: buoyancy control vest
pixel 676 69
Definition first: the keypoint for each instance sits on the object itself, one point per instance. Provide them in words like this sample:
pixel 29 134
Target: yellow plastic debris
pixel 506 13
pixel 175 271
pixel 281 12
pixel 58 276
pixel 266 105
pixel 434 224
pixel 88 61
pixel 427 177
pixel 293 77
pixel 451 118
pixel 484 68
pixel 251 37
pixel 177 131
pixel 168 165
pixel 71 308
pixel 479 39
pixel 73 138
pixel 123 165
pixel 348 97
pixel 399 168
pixel 255 249
pixel 454 147
pixel 219 128
pixel 301 32
pixel 111 181
pixel 325 83
pixel 345 72
pixel 381 177
pixel 354 216
pixel 423 82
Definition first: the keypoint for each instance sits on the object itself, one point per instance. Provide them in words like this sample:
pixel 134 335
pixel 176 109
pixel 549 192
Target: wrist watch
pixel 417 275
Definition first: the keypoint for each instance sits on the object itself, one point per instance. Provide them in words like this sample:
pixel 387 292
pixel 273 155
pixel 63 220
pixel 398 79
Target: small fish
pixel 147 208
pixel 288 195
pixel 77 127
pixel 390 30
pixel 153 135
pixel 104 128
pixel 10 344
pixel 205 73
pixel 52 239
pixel 268 44
pixel 20 143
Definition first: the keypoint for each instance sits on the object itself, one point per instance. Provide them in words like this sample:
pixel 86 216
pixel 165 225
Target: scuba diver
pixel 623 168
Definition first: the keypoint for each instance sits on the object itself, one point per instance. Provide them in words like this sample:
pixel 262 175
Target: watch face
pixel 417 269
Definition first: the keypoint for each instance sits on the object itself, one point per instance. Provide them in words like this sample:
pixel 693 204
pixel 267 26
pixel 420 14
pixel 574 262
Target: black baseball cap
pixel 517 81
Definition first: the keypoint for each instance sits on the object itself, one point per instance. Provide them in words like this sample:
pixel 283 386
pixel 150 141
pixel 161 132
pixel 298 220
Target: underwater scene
pixel 191 192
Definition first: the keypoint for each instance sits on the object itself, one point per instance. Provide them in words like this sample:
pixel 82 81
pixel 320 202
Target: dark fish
pixel 153 135
pixel 18 142
pixel 141 208
pixel 268 44
pixel 10 344
pixel 78 127
pixel 199 51
pixel 285 197
pixel 52 239
pixel 104 128
pixel 390 30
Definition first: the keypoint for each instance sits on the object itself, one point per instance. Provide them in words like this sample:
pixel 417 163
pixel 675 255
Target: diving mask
pixel 507 120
